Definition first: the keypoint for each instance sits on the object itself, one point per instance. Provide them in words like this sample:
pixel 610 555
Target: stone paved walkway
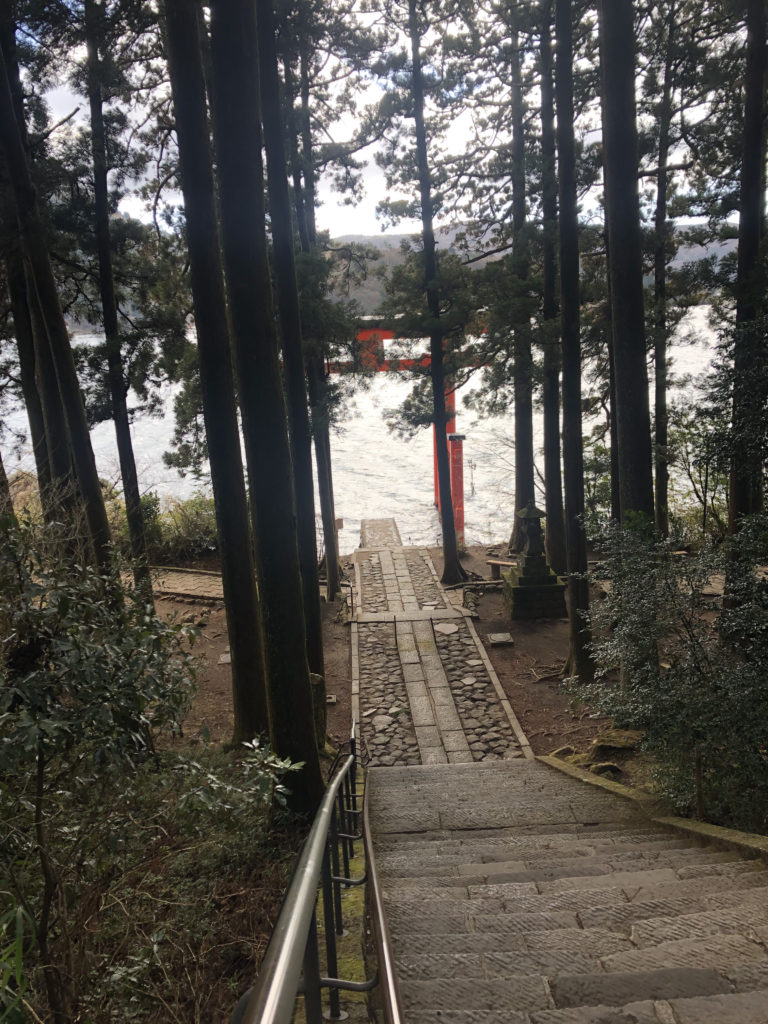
pixel 193 583
pixel 513 893
pixel 423 687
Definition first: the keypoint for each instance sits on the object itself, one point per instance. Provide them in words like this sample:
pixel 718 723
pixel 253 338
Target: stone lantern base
pixel 533 591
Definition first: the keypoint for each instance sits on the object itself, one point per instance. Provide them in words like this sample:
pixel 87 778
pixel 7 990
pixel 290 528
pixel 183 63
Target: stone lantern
pixel 531 589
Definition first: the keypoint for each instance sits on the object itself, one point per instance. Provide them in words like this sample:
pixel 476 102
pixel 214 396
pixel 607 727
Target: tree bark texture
pixel 302 169
pixel 749 348
pixel 661 232
pixel 42 281
pixel 553 490
pixel 453 571
pixel 216 375
pixel 237 131
pixel 580 658
pixel 118 388
pixel 525 490
pixel 290 322
pixel 617 49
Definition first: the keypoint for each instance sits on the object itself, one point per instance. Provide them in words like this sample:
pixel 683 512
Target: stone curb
pixel 744 842
pixel 512 718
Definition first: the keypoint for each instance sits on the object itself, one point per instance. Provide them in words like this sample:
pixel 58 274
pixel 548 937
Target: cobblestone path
pixel 423 688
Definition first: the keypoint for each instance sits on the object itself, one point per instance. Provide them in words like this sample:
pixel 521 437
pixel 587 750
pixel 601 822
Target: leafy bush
pixel 690 669
pixel 120 863
pixel 187 531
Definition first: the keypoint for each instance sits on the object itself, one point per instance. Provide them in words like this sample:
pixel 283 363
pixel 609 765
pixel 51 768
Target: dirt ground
pixel 529 671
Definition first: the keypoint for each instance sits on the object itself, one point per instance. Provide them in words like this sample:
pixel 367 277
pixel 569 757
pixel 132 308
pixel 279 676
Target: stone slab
pixel 739 1008
pixel 524 994
pixel 715 951
pixel 619 989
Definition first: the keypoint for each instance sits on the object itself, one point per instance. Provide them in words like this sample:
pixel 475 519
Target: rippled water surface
pixel 376 473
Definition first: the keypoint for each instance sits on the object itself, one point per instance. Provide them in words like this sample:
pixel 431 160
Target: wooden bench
pixel 497 564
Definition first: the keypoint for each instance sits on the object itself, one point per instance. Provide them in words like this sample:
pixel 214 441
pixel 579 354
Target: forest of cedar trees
pixel 579 152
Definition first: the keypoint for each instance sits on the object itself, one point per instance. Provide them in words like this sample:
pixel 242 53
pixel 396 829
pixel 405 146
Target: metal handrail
pixel 291 964
pixel 274 994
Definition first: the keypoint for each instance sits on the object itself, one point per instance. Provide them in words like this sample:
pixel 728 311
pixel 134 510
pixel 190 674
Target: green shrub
pixel 690 669
pixel 120 863
pixel 187 531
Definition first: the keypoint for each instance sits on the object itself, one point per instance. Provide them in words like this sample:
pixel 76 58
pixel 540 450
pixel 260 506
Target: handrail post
pixel 312 992
pixel 334 847
pixel 332 961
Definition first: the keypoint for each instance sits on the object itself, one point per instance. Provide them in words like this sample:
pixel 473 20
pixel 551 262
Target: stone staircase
pixel 517 895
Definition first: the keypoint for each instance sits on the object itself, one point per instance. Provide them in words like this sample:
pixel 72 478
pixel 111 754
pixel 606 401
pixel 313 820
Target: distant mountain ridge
pixel 371 293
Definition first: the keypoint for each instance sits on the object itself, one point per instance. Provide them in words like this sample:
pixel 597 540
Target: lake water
pixel 376 473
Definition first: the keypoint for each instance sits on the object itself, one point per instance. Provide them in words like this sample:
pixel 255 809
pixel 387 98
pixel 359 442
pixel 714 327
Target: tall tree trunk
pixel 118 389
pixel 22 325
pixel 525 490
pixel 216 374
pixel 660 287
pixel 749 348
pixel 290 322
pixel 237 130
pixel 453 571
pixel 302 169
pixel 17 288
pixel 617 48
pixel 580 659
pixel 41 276
pixel 321 435
pixel 553 491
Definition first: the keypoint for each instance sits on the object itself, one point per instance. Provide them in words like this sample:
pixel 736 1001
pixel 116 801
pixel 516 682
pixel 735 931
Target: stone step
pixel 621 916
pixel 494 964
pixel 736 1008
pixel 716 951
pixel 695 926
pixel 520 994
pixel 535 845
pixel 689 863
pixel 619 989
pixel 448 922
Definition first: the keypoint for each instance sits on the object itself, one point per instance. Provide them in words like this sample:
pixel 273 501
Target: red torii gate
pixel 370 342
